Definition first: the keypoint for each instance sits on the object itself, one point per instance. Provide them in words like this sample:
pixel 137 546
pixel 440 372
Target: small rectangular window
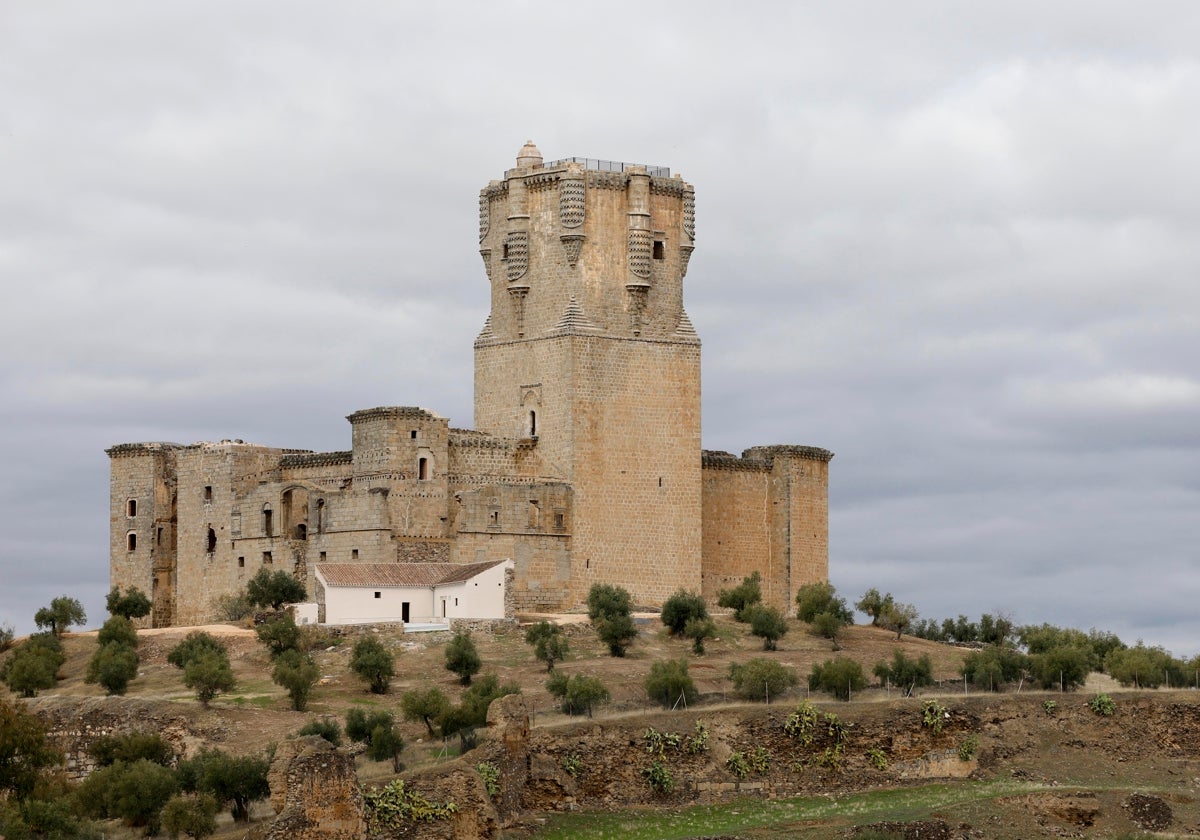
pixel 413 434
pixel 267 558
pixel 207 493
pixel 658 249
pixel 378 594
pixel 560 521
pixel 131 508
pixel 241 562
pixel 322 556
pixel 354 554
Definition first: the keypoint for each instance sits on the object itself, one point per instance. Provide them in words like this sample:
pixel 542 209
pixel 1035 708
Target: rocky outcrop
pixel 315 792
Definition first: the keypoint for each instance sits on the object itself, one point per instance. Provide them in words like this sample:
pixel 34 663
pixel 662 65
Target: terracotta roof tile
pixel 401 574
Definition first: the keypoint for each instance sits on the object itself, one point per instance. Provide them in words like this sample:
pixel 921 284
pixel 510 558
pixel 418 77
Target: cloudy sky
pixel 956 243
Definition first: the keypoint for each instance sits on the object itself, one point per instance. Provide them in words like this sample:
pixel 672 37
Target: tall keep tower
pixel 588 353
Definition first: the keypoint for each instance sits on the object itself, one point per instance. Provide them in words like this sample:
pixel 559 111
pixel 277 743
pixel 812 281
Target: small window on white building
pixel 378 594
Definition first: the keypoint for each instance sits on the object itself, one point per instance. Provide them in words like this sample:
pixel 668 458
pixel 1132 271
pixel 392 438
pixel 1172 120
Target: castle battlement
pixel 584 465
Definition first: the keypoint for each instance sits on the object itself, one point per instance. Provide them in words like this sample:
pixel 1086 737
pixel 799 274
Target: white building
pixel 413 593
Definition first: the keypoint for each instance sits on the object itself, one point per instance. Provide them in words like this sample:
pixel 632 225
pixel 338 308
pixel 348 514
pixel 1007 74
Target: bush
pixel 875 605
pixel 195 816
pixel 471 712
pixel 768 624
pixel 372 663
pixel 659 777
pixel 669 683
pixel 906 673
pixel 360 723
pixel 462 658
pixel 1102 705
pixel 828 625
pixel 130 747
pixel 393 808
pixel 376 729
pixel 24 750
pixel 233 606
pixel 194 644
pixel 610 609
pixel 994 667
pixel 33 666
pixel 490 774
pixel 113 665
pixel 1144 667
pixel 605 600
pixel 425 705
pixel 6 636
pixel 743 596
pixel 577 694
pixel 274 589
pixel 296 672
pixel 761 679
pixel 549 644
pixel 699 629
pixel 119 630
pixel 617 632
pixel 934 716
pixel 61 614
pixel 817 598
pixel 323 728
pixel 841 677
pixel 134 793
pixel 230 779
pixel 279 634
pixel 209 674
pixel 681 608
pixel 1066 666
pixel 899 617
pixel 133 604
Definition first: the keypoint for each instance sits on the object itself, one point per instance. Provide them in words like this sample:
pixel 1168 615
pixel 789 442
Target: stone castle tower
pixel 585 463
pixel 588 352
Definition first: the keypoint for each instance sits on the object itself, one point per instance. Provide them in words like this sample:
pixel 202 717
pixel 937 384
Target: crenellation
pixel 585 465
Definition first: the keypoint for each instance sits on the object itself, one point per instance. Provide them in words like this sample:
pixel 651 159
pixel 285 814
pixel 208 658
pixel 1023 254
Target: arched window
pixel 131 508
pixel 267 524
pixel 131 541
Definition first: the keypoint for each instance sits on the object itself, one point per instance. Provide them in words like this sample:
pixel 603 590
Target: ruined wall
pixel 142 524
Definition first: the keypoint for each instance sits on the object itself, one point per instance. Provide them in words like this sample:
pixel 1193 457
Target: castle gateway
pixel 585 463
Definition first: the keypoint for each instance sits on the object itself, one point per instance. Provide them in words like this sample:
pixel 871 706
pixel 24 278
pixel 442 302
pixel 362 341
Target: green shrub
pixel 130 747
pixel 1065 666
pixel 234 780
pixel 233 606
pixel 934 716
pixel 737 765
pixel 194 644
pixel 697 742
pixel 118 630
pixel 279 634
pixel 323 728
pixel 33 666
pixel 62 613
pixel 877 758
pixel 373 664
pixel 296 672
pixel 746 594
pixel 490 774
pixel 462 658
pixel 968 748
pixel 610 610
pixel 875 605
pixel 393 808
pixel 659 777
pixel 425 705
pixel 573 764
pixel 769 624
pixel 1103 705
pixel 578 694
pixel 906 673
pixel 1050 707
pixel 195 816
pixel 681 608
pixel 659 742
pixel 841 677
pixel 761 679
pixel 669 683
pixel 134 793
pixel 816 598
pixel 273 589
pixel 25 750
pixel 993 667
pixel 699 629
pixel 209 674
pixel 802 723
pixel 113 666
pixel 549 643
pixel 133 604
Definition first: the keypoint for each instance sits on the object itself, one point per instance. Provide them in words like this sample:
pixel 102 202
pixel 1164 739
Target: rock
pixel 321 799
pixel 1149 813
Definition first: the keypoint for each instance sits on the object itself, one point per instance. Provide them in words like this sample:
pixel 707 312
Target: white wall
pixel 480 597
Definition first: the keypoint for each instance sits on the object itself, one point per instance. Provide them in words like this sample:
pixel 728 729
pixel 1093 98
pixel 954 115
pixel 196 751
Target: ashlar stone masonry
pixel 585 465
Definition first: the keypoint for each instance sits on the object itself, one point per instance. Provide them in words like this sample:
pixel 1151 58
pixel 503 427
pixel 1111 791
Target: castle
pixel 585 463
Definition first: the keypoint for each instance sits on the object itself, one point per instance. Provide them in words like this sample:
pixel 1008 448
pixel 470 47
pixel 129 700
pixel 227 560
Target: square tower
pixel 589 354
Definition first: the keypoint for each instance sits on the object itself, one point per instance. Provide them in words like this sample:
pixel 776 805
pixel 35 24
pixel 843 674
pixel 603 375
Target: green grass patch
pixel 747 814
